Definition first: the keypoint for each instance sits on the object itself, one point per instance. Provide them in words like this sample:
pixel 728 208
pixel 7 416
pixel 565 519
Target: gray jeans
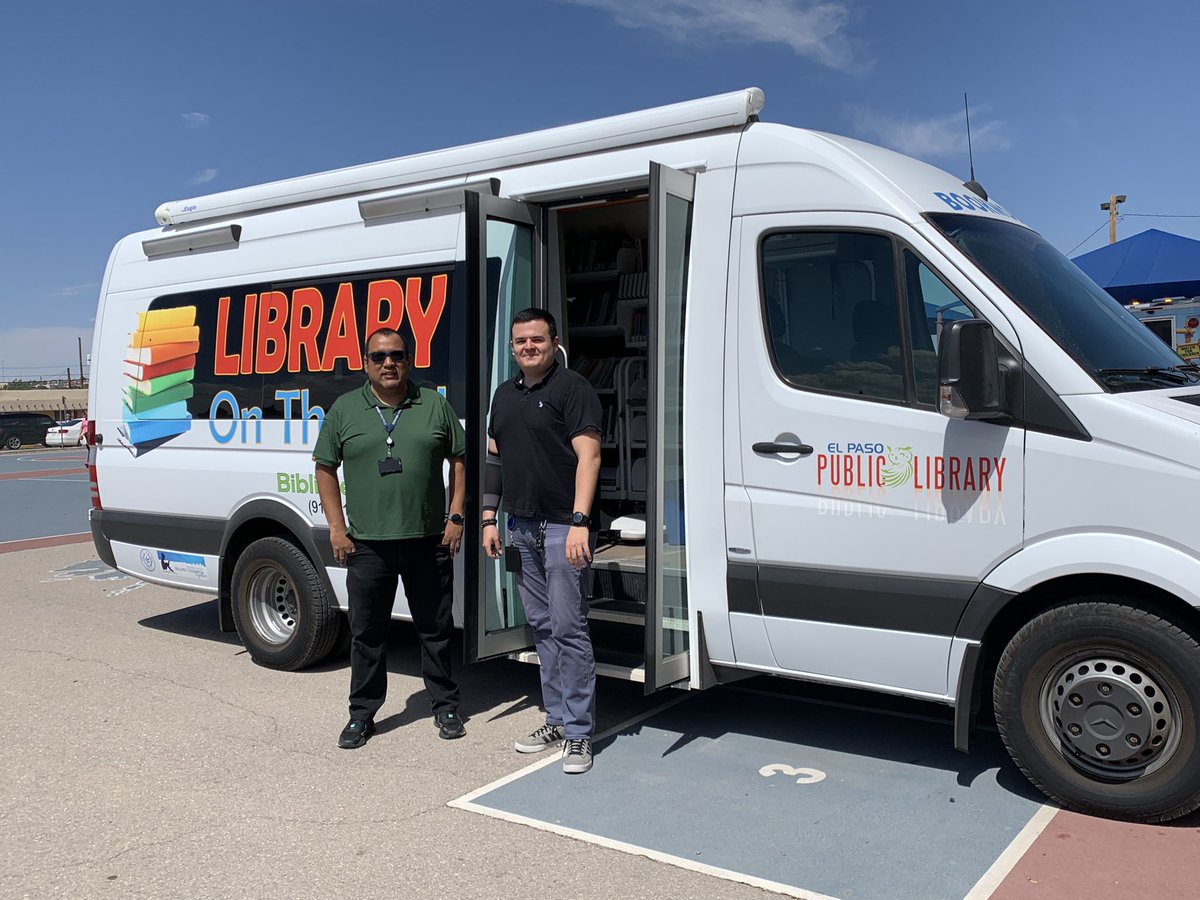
pixel 554 595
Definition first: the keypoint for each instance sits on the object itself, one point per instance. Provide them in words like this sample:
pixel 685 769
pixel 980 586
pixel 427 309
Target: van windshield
pixel 1115 348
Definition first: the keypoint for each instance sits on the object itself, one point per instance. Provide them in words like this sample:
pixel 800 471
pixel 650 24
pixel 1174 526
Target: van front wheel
pixel 280 608
pixel 1098 703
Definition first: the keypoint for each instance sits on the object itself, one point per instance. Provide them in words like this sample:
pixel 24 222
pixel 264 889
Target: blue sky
pixel 109 109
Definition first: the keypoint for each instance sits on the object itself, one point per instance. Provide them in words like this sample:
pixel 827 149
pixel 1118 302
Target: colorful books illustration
pixel 160 363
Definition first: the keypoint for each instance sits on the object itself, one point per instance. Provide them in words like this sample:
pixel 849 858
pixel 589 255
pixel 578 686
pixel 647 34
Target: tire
pixel 1098 703
pixel 13 442
pixel 281 611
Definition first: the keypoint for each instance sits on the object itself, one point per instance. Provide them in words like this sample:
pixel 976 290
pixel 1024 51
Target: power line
pixel 1089 237
pixel 1162 215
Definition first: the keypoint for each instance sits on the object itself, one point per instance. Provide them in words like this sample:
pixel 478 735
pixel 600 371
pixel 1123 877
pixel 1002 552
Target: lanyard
pixel 389 428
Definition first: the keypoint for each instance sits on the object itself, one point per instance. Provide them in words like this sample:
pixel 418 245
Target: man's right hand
pixel 491 541
pixel 341 544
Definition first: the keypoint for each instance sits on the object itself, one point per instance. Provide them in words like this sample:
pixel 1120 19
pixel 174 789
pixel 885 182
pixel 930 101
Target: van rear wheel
pixel 1098 703
pixel 282 612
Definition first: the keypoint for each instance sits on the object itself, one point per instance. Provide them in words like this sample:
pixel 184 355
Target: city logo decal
pixel 877 465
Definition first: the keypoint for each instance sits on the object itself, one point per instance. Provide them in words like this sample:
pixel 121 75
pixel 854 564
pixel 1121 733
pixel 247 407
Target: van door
pixel 667 621
pixel 874 516
pixel 504 276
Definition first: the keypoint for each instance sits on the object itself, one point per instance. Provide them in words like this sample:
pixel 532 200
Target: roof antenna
pixel 971 185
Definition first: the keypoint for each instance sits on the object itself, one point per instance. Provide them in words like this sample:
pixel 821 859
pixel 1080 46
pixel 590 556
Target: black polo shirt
pixel 533 428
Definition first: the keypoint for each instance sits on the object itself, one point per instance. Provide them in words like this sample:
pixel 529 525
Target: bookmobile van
pixel 880 433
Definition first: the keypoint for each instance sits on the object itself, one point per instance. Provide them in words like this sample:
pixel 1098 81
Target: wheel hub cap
pixel 1112 717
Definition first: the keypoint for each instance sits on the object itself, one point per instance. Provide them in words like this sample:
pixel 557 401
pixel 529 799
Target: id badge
pixel 390 466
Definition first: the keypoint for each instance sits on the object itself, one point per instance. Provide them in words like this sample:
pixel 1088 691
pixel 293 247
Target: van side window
pixel 931 304
pixel 831 312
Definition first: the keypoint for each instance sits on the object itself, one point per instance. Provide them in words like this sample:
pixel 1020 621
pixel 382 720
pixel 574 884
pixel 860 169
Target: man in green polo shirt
pixel 390 438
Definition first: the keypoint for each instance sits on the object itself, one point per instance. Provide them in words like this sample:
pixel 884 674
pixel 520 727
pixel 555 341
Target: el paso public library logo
pixel 878 465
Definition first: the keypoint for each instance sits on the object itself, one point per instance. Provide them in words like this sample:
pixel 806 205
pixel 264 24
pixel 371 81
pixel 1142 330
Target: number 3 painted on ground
pixel 807 776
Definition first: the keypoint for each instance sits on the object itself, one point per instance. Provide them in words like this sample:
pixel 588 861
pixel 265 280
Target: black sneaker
pixel 450 724
pixel 356 733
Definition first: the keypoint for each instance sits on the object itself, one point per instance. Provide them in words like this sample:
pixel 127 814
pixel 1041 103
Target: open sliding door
pixel 504 276
pixel 667 630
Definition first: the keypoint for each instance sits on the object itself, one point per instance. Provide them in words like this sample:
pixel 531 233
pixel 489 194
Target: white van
pixel 881 434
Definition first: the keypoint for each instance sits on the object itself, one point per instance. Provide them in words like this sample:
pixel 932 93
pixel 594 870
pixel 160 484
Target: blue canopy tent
pixel 1146 266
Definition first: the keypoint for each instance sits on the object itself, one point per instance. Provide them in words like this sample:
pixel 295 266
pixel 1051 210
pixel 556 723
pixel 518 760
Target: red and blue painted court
pixel 44 498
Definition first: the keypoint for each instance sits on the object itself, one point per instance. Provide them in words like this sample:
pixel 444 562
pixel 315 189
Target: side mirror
pixel 968 371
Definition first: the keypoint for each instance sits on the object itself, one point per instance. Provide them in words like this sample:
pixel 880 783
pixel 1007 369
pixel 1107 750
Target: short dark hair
pixel 386 331
pixel 533 314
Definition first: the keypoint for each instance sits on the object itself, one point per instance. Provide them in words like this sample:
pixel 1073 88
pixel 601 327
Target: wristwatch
pixel 455 519
pixel 580 519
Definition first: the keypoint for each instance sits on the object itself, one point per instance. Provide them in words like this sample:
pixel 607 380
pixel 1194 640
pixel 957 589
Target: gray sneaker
pixel 577 756
pixel 543 739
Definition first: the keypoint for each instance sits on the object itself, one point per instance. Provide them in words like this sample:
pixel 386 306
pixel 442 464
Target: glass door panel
pixel 667 626
pixel 503 258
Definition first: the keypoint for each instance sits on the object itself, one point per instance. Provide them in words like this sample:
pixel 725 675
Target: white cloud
pixel 74 290
pixel 195 119
pixel 936 137
pixel 204 176
pixel 812 28
pixel 30 352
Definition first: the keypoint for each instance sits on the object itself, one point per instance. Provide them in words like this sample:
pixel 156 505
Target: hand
pixel 491 541
pixel 579 553
pixel 452 537
pixel 342 546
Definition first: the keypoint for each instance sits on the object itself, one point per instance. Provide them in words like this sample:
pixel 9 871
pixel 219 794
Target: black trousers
pixel 427 570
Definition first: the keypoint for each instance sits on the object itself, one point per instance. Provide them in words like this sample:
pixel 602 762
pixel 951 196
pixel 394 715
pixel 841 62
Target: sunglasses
pixel 396 356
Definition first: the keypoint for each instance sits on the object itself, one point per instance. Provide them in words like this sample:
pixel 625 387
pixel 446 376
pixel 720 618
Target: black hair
pixel 533 314
pixel 386 331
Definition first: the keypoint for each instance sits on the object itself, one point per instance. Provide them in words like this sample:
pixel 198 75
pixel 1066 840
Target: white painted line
pixel 467 802
pixel 1012 854
pixel 726 874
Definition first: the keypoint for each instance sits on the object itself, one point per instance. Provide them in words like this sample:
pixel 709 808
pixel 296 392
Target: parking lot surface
pixel 145 755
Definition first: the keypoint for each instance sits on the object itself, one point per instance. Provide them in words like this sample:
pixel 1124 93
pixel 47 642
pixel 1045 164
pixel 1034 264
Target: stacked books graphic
pixel 160 363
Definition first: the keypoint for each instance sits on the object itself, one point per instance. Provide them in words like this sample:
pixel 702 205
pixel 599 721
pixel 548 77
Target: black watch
pixel 580 519
pixel 455 519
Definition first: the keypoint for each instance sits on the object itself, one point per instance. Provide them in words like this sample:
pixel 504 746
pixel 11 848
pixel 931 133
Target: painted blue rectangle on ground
pixel 733 779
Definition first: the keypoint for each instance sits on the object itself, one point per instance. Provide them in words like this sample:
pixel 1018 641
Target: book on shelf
pixel 633 286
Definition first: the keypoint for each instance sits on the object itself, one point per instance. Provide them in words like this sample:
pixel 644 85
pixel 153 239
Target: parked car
pixel 23 428
pixel 66 434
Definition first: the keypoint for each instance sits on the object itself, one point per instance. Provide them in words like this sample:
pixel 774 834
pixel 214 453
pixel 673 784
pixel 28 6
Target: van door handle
pixel 772 447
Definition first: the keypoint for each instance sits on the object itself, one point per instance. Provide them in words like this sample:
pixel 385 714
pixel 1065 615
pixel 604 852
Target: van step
pixel 607 669
pixel 625 612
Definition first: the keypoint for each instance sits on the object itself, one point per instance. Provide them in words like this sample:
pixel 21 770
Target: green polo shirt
pixel 411 503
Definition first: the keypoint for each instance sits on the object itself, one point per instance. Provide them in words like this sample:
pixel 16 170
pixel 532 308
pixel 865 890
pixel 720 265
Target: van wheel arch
pixel 995 617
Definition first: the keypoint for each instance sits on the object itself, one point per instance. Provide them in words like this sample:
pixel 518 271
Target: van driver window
pixel 931 306
pixel 831 312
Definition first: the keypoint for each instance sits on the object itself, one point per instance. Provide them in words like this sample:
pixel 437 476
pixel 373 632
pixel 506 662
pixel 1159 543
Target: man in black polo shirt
pixel 390 438
pixel 544 447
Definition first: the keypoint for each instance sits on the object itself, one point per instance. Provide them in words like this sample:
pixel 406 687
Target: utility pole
pixel 80 339
pixel 1111 208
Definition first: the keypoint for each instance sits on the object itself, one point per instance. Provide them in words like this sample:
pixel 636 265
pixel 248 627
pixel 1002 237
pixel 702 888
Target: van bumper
pixel 103 544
